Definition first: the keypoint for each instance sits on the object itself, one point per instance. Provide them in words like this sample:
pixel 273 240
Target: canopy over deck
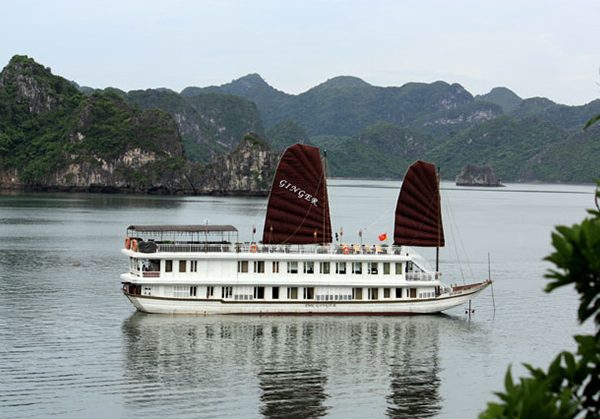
pixel 194 228
pixel 185 233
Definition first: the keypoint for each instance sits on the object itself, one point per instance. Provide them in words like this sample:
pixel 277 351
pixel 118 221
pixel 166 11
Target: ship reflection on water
pixel 283 366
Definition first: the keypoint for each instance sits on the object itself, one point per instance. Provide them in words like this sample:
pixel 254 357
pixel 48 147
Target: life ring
pixel 134 245
pixel 127 242
pixel 346 250
pixel 253 248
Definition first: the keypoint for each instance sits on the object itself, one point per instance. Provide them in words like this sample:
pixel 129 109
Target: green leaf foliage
pixel 570 387
pixel 592 121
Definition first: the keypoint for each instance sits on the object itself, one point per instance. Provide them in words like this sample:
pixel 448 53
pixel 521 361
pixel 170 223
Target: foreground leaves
pixel 571 385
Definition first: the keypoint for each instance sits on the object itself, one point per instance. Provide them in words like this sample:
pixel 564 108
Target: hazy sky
pixel 536 48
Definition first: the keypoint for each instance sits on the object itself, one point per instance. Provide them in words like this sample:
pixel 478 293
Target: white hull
pixel 166 305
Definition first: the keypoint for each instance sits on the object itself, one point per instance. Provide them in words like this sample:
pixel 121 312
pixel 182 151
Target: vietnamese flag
pixel 383 237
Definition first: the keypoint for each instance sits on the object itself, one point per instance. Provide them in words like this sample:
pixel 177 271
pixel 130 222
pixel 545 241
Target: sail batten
pixel 298 209
pixel 418 219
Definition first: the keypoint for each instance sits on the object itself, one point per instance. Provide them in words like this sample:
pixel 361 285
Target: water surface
pixel 72 346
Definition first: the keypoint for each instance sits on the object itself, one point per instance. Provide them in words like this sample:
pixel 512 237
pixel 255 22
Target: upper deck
pixel 221 242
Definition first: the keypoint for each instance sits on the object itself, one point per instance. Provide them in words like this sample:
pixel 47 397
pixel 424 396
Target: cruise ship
pixel 296 268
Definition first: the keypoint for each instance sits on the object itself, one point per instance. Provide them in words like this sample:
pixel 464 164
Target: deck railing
pixel 145 274
pixel 423 276
pixel 295 249
pixel 409 276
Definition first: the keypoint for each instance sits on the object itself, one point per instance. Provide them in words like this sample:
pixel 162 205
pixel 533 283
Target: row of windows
pixel 294 293
pixel 182 266
pixel 340 268
pixel 294 267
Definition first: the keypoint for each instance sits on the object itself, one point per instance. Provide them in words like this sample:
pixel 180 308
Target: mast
pixel 325 213
pixel 439 224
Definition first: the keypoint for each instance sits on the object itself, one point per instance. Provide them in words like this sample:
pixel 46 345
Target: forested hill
pixel 53 131
pixel 54 136
pixel 373 131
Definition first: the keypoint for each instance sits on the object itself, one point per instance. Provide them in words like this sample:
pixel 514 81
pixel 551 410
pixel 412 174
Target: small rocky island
pixel 472 175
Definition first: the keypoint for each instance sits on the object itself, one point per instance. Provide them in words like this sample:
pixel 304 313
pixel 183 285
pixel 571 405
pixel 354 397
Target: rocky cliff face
pixel 248 169
pixel 54 138
pixel 478 176
pixel 32 85
pixel 210 124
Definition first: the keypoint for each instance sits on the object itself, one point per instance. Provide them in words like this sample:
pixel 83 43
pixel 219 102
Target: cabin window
pixel 292 293
pixel 309 267
pixel 259 293
pixel 243 266
pixel 373 268
pixel 148 265
pixel 398 292
pixel 210 291
pixel 194 266
pixel 182 266
pixel 275 267
pixel 373 293
pixel 309 293
pixel 357 268
pixel 398 268
pixel 226 292
pixel 386 268
pixel 357 293
pixel 259 266
pixel 181 291
pixel 340 268
pixel 324 267
pixel 386 293
pixel 193 291
pixel 147 291
pixel 292 267
pixel 168 266
pixel 275 293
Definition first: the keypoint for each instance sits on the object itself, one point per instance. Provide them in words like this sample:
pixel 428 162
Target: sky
pixel 535 48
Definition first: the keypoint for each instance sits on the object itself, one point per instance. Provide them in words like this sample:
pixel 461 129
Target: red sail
pixel 298 211
pixel 418 212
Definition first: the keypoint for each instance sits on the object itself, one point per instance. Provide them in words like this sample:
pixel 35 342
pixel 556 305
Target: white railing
pixel 261 248
pixel 194 248
pixel 145 274
pixel 423 276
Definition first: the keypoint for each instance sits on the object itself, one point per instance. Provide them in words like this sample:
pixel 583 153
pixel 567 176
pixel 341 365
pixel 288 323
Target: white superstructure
pixel 193 273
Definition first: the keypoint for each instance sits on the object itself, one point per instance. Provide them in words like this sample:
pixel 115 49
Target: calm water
pixel 72 346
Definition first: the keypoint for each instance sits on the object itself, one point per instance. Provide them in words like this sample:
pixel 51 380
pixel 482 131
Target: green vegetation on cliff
pixel 503 97
pixel 210 124
pixel 285 134
pixel 36 112
pixel 47 125
pixel 524 144
pixel 506 144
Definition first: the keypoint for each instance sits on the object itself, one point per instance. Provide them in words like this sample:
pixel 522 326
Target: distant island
pixel 472 175
pixel 57 135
